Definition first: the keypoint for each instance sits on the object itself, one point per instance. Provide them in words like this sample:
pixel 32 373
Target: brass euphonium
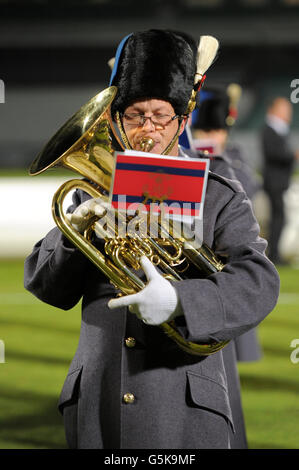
pixel 86 144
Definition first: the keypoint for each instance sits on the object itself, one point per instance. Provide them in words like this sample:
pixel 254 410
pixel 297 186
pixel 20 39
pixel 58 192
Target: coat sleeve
pixel 55 270
pixel 234 300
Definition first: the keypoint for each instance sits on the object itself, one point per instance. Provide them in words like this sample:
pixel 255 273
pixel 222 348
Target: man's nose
pixel 148 123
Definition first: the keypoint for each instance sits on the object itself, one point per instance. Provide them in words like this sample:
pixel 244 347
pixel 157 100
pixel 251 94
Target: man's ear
pixel 183 124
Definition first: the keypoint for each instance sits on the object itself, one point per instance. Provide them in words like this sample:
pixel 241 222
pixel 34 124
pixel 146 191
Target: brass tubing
pixel 94 255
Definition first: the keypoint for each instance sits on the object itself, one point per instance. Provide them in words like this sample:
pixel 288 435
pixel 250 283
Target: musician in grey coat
pixel 129 386
pixel 213 118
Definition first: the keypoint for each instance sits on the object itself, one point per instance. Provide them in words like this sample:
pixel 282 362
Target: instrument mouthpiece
pixel 146 144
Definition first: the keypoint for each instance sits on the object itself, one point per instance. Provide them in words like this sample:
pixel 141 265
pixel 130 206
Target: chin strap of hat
pixel 176 136
pixel 122 131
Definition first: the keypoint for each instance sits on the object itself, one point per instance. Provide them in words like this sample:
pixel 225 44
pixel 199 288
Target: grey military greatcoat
pixel 131 387
pixel 233 166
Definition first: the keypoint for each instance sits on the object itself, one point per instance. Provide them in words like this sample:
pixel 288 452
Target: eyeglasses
pixel 158 120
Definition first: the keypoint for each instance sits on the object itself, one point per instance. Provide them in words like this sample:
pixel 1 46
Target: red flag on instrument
pixel 143 178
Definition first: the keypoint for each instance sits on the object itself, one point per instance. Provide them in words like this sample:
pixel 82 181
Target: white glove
pixel 156 303
pixel 83 213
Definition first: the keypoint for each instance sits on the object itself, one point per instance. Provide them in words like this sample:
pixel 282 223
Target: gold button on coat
pixel 130 342
pixel 129 398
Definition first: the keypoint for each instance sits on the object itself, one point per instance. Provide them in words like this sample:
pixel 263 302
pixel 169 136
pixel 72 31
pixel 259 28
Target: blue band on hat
pixel 206 95
pixel 195 114
pixel 117 56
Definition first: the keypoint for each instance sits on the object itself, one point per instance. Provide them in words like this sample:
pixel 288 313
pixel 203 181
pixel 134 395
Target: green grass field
pixel 40 341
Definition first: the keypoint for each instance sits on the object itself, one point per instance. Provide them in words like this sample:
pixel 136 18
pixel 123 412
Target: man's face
pixel 161 134
pixel 282 108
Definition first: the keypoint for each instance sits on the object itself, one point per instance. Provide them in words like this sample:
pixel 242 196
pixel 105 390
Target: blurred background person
pixel 215 114
pixel 278 165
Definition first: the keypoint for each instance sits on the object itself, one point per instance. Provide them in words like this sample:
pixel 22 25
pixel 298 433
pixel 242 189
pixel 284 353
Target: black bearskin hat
pixel 213 108
pixel 156 64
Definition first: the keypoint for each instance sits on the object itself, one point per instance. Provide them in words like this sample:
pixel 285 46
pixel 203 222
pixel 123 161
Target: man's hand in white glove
pixel 156 303
pixel 82 214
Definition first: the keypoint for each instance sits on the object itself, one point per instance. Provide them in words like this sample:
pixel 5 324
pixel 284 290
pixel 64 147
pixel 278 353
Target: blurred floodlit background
pixel 54 58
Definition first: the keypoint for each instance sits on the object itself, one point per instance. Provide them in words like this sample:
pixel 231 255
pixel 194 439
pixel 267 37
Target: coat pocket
pixel 208 394
pixel 70 389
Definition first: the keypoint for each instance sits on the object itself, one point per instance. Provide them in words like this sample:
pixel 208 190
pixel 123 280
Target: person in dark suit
pixel 130 386
pixel 278 165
